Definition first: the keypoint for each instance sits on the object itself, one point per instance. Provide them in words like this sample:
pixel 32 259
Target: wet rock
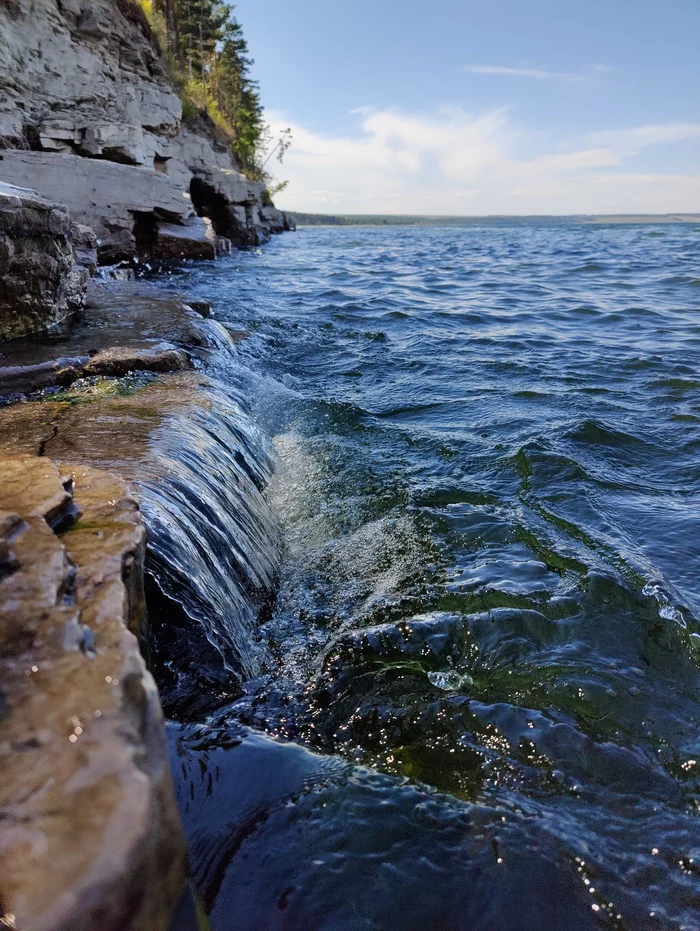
pixel 89 832
pixel 201 306
pixel 195 462
pixel 40 283
pixel 115 362
pixel 119 330
pixel 21 379
pixel 120 361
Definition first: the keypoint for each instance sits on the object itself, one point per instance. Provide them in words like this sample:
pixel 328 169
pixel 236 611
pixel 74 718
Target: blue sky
pixel 450 107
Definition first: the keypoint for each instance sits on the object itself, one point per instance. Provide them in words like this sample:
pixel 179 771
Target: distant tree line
pixel 209 57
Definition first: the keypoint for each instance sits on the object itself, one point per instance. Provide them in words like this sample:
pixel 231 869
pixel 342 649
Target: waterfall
pixel 213 545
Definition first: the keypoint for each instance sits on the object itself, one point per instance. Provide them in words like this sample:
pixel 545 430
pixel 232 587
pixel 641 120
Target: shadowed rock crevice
pixel 208 203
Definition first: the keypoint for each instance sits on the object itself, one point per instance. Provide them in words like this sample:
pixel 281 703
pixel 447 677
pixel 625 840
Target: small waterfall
pixel 214 547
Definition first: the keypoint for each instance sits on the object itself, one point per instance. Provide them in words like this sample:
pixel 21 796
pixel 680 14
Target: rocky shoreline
pixel 87 783
pixel 90 120
pixel 97 168
pixel 85 410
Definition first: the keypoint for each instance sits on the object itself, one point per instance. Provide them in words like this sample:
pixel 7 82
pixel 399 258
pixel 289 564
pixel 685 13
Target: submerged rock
pixel 90 835
pixel 40 282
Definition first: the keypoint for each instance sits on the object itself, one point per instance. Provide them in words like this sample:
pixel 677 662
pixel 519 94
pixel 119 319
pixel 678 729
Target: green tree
pixel 206 47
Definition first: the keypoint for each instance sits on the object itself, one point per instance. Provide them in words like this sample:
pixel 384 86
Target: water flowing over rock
pixel 91 836
pixel 41 282
pixel 198 463
pixel 89 117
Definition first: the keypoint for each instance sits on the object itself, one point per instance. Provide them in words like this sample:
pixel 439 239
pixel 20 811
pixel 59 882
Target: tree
pixel 205 44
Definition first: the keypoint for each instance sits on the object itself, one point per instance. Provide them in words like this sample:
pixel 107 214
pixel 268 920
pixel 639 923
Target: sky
pixel 482 107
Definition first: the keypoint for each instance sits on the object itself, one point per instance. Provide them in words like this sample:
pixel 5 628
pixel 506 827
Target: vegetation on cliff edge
pixel 208 59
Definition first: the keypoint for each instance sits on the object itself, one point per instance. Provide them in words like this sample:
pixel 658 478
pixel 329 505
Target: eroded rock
pixel 40 283
pixel 89 833
pixel 190 241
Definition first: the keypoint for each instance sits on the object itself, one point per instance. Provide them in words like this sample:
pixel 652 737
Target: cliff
pixel 89 119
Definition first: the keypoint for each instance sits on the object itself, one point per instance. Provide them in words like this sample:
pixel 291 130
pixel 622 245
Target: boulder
pixel 41 283
pixel 89 833
pixel 192 241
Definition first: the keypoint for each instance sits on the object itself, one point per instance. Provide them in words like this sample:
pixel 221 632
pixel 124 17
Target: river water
pixel 476 699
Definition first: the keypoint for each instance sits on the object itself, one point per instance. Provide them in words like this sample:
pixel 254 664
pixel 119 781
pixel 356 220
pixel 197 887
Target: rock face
pixel 90 834
pixel 41 283
pixel 88 116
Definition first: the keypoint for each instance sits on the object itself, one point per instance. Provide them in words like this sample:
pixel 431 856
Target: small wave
pixel 588 267
pixel 676 384
pixel 531 395
pixel 596 433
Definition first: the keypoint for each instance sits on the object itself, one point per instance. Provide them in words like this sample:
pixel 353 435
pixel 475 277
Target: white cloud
pixel 328 196
pixel 632 140
pixel 538 74
pixel 450 161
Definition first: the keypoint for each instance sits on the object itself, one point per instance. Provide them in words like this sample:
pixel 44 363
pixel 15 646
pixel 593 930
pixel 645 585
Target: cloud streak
pixel 632 140
pixel 452 161
pixel 538 74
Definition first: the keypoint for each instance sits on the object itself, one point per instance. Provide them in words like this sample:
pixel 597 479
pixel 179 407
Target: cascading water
pixel 213 543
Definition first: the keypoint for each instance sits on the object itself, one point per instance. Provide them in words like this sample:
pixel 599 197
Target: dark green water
pixel 488 618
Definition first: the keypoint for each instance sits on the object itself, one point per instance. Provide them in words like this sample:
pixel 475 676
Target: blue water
pixel 488 619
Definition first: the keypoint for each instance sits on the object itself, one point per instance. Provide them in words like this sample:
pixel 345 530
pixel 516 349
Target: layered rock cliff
pixel 89 119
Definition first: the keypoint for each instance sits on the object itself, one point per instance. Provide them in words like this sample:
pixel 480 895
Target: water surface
pixel 488 619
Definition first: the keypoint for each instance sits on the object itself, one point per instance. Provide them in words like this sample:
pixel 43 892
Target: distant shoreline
pixel 319 219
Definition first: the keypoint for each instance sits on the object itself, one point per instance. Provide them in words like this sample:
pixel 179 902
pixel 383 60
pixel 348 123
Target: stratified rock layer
pixel 89 834
pixel 89 117
pixel 40 282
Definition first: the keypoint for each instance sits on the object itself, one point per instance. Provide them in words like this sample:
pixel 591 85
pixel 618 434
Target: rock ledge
pixel 90 833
